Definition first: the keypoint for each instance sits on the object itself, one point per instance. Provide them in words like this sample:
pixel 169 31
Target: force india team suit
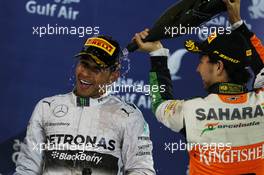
pixel 103 136
pixel 225 130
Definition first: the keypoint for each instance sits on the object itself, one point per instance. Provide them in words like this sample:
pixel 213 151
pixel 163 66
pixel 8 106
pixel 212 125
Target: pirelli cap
pixel 231 48
pixel 103 50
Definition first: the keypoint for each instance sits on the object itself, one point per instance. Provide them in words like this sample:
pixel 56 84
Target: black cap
pixel 230 48
pixel 103 50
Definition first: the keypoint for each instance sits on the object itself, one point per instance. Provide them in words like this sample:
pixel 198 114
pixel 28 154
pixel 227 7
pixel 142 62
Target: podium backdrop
pixel 37 61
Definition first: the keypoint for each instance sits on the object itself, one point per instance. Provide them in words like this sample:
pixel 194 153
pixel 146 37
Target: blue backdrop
pixel 36 65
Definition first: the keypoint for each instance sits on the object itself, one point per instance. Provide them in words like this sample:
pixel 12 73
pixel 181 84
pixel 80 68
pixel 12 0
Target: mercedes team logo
pixel 60 110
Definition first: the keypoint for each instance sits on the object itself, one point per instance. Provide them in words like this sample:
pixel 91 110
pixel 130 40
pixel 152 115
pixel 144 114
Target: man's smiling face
pixel 90 78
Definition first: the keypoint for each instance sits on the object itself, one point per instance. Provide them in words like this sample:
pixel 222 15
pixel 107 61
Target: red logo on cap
pixel 102 44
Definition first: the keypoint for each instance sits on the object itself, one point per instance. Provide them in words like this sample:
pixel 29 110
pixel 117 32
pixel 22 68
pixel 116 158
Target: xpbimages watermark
pixel 135 88
pixel 173 31
pixel 209 153
pixel 81 147
pixel 79 152
pixel 173 147
pixel 80 31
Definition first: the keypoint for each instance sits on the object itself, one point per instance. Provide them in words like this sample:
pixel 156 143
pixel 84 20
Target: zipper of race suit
pixel 80 119
pixel 77 131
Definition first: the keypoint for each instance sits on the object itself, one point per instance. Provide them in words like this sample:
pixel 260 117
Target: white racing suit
pixel 225 130
pixel 70 135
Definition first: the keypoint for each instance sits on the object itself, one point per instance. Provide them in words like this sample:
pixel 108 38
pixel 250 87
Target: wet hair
pixel 236 74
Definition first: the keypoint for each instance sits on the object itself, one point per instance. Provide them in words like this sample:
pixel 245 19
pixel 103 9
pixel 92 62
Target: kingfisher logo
pixel 210 127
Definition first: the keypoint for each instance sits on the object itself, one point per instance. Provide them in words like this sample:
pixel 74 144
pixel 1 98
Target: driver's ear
pixel 220 66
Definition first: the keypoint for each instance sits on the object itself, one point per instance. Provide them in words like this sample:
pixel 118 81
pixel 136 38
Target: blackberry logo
pixel 55 154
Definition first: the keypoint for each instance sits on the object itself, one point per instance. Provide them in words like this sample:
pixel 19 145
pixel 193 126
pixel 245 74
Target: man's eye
pixel 92 68
pixel 97 69
pixel 82 62
pixel 86 65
